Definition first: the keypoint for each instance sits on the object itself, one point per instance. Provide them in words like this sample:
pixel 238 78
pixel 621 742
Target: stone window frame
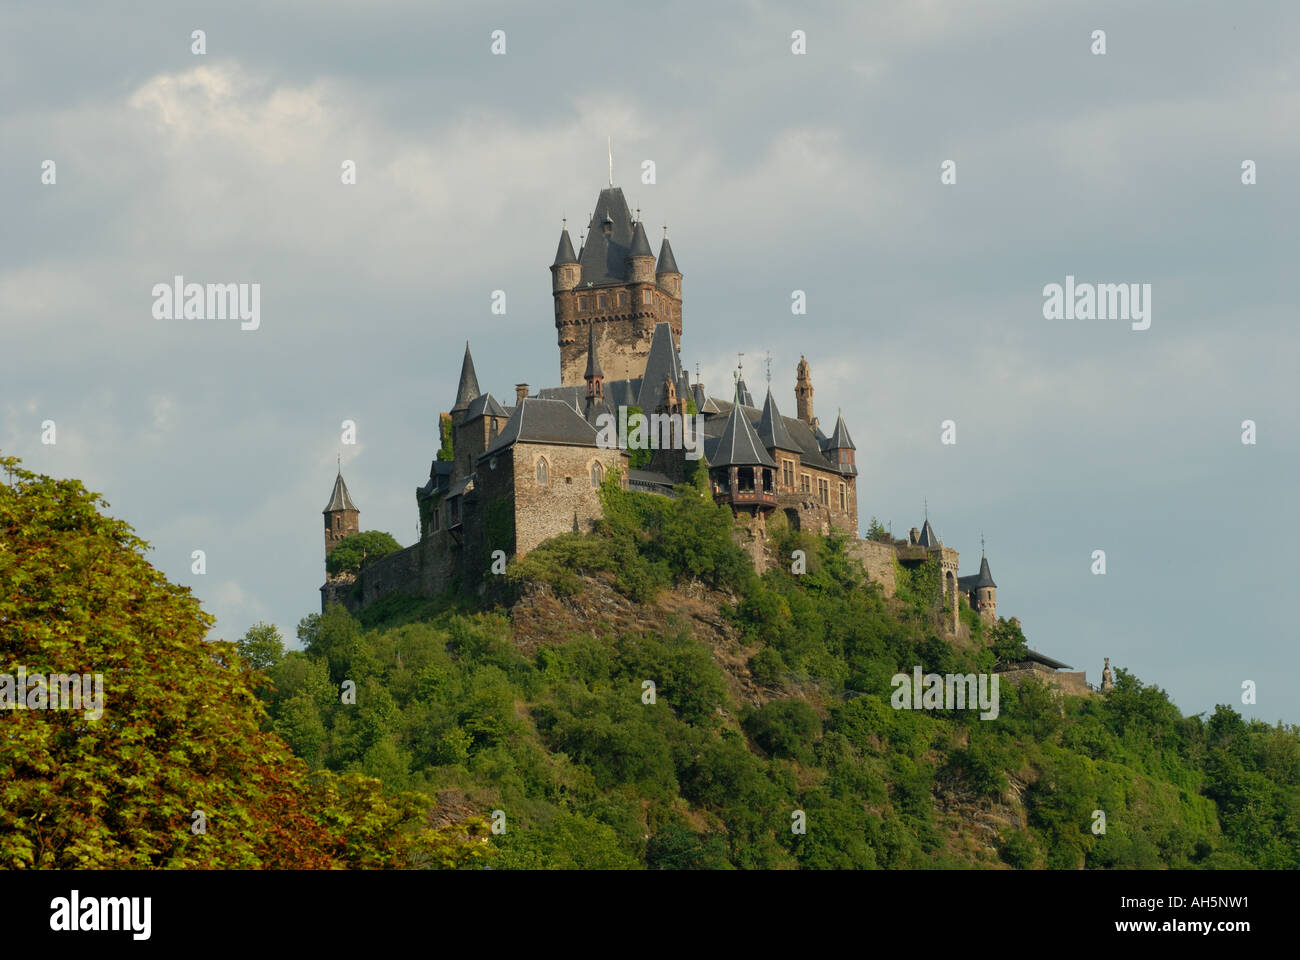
pixel 596 471
pixel 823 491
pixel 844 496
pixel 600 301
pixel 622 299
pixel 647 298
pixel 787 473
pixel 542 472
pixel 582 303
pixel 805 483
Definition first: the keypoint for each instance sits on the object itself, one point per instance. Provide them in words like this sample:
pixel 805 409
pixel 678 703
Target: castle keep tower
pixel 613 282
pixel 342 518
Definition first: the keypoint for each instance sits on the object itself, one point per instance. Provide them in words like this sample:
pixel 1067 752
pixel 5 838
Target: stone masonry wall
pixel 568 501
pixel 877 560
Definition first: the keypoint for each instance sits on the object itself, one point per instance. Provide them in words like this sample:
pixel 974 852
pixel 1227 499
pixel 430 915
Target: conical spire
pixel 771 428
pixel 564 252
pixel 928 537
pixel 985 577
pixel 468 388
pixel 739 444
pixel 593 364
pixel 840 439
pixel 339 499
pixel 640 245
pixel 667 263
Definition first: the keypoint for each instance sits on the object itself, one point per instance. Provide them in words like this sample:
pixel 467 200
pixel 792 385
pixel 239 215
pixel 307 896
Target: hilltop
pixel 770 709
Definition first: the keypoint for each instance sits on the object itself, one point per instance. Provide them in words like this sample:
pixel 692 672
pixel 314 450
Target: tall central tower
pixel 613 283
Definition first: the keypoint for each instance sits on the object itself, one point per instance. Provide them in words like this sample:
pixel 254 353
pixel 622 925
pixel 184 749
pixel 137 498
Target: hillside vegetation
pixel 770 709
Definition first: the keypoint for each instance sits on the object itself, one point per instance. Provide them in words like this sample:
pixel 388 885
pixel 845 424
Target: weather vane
pixel 609 143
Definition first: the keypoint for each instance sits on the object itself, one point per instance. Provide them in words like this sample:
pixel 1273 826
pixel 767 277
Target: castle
pixel 514 475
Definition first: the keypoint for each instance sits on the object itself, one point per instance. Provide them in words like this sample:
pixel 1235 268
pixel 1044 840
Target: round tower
pixel 641 261
pixel 564 271
pixel 342 518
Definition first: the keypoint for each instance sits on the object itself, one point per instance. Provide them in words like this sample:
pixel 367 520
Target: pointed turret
pixel 640 245
pixel 667 262
pixel 640 259
pixel 564 254
pixel 342 518
pixel 565 269
pixel 772 430
pixel 468 389
pixel 739 445
pixel 928 537
pixel 663 362
pixel 340 500
pixel 839 448
pixel 985 578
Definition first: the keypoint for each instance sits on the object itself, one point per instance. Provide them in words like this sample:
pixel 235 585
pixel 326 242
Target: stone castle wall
pixel 877 561
pixel 568 502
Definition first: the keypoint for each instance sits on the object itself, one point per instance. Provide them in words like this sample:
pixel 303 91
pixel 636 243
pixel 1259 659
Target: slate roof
pixel 538 420
pixel 1048 661
pixel 484 405
pixel 839 438
pixel 738 445
pixel 640 245
pixel 339 499
pixel 697 394
pixel 985 578
pixel 806 443
pixel 771 427
pixel 564 252
pixel 742 391
pixel 662 363
pixel 928 537
pixel 468 388
pixel 604 259
pixel 667 263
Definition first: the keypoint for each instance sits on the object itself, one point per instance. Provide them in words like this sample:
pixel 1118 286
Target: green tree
pixel 179 731
pixel 360 550
pixel 261 647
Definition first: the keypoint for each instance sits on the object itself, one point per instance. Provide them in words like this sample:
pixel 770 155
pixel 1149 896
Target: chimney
pixel 521 391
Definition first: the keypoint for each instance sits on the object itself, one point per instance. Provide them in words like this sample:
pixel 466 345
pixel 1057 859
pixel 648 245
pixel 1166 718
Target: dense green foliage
pixel 446 451
pixel 360 550
pixel 590 771
pixel 169 766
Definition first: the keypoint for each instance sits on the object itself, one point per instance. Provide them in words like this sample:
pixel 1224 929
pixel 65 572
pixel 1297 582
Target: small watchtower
pixel 342 518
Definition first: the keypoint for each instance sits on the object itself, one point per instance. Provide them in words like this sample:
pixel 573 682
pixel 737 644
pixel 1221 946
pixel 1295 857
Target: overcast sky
pixel 775 172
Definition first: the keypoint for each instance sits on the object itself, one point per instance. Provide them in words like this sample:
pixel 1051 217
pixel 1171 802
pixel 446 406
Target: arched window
pixel 597 474
pixel 541 471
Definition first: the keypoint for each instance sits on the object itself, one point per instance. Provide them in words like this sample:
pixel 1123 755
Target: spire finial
pixel 339 458
pixel 768 364
pixel 665 231
pixel 981 544
pixel 638 214
pixel 926 504
pixel 609 143
pixel 564 223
